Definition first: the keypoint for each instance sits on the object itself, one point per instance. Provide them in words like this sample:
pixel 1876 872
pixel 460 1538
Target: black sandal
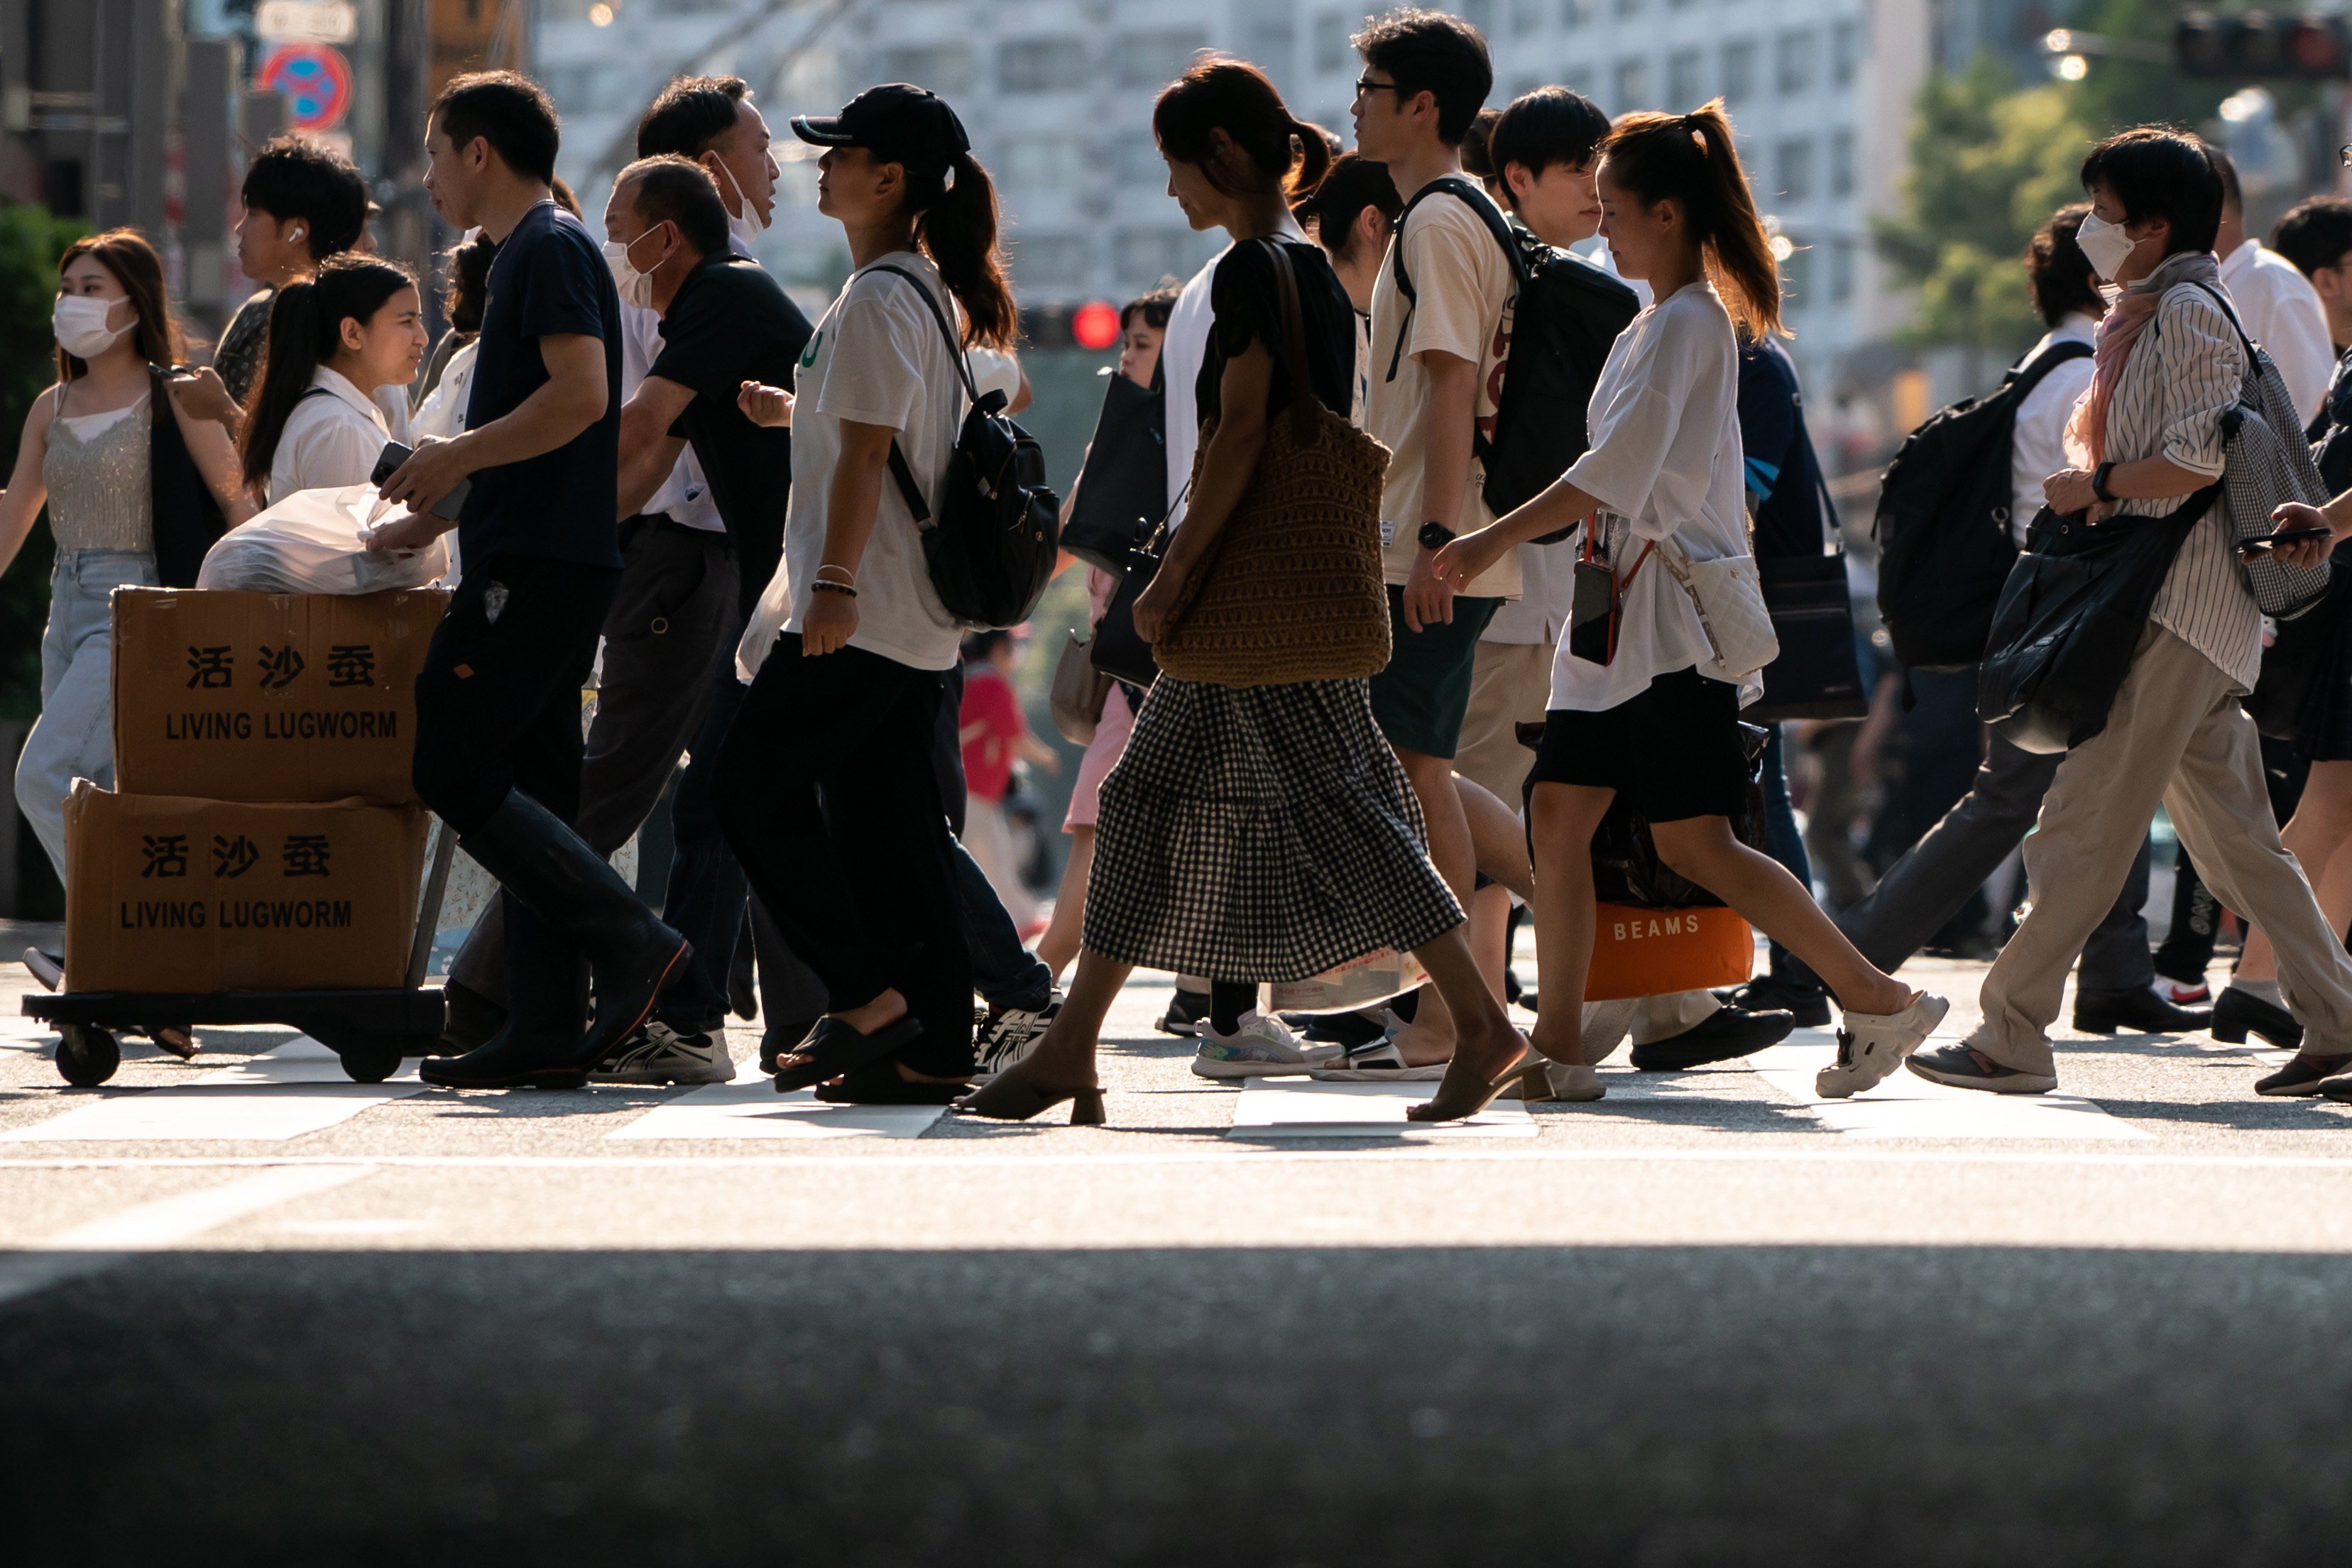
pixel 834 1048
pixel 881 1083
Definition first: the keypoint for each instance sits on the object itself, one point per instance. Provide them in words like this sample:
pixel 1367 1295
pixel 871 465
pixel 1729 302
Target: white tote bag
pixel 314 541
pixel 1729 598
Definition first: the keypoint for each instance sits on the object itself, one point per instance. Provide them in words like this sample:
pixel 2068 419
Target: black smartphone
pixel 1592 614
pixel 2284 536
pixel 387 464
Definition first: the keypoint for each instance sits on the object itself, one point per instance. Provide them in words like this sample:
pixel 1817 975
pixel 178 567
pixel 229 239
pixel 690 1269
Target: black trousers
pixel 827 792
pixel 498 702
pixel 669 627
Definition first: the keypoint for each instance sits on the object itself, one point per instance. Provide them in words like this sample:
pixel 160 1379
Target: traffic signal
pixel 2255 44
pixel 1092 326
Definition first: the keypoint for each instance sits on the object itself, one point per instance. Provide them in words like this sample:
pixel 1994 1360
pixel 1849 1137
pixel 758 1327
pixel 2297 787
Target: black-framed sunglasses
pixel 1366 84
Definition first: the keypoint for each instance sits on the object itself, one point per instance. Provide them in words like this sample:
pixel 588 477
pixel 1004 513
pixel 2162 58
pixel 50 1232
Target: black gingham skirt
pixel 1264 833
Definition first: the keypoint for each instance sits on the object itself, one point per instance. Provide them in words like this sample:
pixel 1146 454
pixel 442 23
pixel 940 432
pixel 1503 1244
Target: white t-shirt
pixel 1462 282
pixel 443 411
pixel 331 439
pixel 1665 464
pixel 879 358
pixel 1183 350
pixel 2280 310
pixel 2038 435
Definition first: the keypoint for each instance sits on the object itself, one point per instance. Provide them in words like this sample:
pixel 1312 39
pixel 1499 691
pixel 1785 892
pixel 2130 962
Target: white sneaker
pixel 1378 1062
pixel 46 969
pixel 1259 1048
pixel 1007 1038
pixel 1873 1045
pixel 658 1053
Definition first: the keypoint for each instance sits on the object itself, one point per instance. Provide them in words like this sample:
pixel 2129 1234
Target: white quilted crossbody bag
pixel 1730 604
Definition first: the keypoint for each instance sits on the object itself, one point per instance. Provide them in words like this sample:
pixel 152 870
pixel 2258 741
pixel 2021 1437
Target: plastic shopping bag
pixel 1358 983
pixel 768 618
pixel 315 541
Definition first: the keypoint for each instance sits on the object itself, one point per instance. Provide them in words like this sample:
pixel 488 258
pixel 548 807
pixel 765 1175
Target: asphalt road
pixel 1704 1321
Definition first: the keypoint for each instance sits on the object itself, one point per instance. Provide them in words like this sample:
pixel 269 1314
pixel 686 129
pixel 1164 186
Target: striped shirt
pixel 2183 373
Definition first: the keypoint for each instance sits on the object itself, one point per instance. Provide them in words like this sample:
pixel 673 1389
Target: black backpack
pixel 1564 314
pixel 1943 541
pixel 992 550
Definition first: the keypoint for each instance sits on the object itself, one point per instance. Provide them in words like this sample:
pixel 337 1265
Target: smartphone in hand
pixel 387 464
pixel 2263 543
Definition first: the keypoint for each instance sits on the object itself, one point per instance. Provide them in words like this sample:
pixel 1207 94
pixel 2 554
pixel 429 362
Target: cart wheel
pixel 371 1060
pixel 87 1055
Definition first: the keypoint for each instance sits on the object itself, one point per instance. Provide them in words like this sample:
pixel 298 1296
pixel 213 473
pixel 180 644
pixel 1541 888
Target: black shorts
pixel 1675 751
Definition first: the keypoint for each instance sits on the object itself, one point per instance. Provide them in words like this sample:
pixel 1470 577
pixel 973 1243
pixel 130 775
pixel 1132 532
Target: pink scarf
pixel 2086 431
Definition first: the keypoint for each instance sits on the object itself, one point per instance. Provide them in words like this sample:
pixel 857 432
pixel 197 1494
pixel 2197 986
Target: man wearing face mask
pixel 686 579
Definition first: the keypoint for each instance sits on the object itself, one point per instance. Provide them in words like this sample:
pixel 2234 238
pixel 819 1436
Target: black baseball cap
pixel 898 123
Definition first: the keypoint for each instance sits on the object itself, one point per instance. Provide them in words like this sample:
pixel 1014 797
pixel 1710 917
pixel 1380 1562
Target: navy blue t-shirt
pixel 1784 478
pixel 550 279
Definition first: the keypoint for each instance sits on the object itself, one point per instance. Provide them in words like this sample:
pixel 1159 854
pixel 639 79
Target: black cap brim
pixel 822 131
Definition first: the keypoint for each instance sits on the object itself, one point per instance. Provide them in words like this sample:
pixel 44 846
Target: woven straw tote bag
pixel 1291 589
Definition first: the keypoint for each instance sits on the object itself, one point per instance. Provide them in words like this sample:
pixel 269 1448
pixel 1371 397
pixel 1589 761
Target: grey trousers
pixel 2176 734
pixel 669 627
pixel 1927 885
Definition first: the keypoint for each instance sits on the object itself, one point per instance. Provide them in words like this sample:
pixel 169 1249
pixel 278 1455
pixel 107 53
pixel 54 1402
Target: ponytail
pixel 956 226
pixel 1691 159
pixel 1220 93
pixel 306 325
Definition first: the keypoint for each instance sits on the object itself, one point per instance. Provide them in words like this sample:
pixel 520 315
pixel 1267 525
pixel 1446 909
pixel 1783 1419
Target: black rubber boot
pixel 537 1045
pixel 548 868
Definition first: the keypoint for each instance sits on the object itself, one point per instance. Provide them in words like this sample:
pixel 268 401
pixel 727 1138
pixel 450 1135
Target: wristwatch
pixel 2099 481
pixel 1435 536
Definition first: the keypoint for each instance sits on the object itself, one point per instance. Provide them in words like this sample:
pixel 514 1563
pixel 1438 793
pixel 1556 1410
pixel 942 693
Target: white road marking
pixel 1909 1106
pixel 1300 1108
pixel 298 1088
pixel 100 1244
pixel 753 1109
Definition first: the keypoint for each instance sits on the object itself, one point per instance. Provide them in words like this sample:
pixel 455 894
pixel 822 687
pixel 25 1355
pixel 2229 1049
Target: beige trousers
pixel 1509 683
pixel 2176 734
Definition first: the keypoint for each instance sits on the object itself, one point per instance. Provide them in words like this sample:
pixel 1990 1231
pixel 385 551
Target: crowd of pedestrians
pixel 1471 478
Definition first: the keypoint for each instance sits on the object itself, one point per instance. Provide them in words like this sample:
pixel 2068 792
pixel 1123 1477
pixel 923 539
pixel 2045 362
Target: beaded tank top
pixel 98 492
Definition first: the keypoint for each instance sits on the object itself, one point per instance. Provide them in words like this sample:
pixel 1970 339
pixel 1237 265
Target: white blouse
pixel 1666 465
pixel 329 441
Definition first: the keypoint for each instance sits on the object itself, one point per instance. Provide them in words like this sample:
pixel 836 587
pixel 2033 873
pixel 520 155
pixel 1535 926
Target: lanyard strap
pixel 1620 584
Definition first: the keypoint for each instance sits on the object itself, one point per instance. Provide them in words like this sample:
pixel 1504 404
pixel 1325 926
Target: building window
pixel 1797 276
pixel 1332 51
pixel 1050 261
pixel 1269 43
pixel 1738 70
pixel 1683 89
pixel 1575 13
pixel 1632 85
pixel 1629 7
pixel 1154 60
pixel 1793 168
pixel 1582 77
pixel 1842 163
pixel 1479 13
pixel 1137 161
pixel 1041 162
pixel 1845 50
pixel 1146 256
pixel 945 68
pixel 1841 270
pixel 1527 15
pixel 1793 61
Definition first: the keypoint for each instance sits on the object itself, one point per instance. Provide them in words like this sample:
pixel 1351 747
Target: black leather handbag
pixel 1124 484
pixel 1816 676
pixel 1119 651
pixel 2070 619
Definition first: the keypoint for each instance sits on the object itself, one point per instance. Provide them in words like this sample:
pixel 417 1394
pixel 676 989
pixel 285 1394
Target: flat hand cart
pixel 370 1029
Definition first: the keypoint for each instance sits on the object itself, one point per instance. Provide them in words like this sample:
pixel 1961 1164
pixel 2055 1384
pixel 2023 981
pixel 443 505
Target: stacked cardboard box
pixel 264 833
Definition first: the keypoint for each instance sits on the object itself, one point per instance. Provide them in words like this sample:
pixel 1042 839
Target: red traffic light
pixel 1095 325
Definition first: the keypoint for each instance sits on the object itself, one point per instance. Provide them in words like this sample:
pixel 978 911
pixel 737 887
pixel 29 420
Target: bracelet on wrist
pixel 848 576
pixel 821 585
pixel 2099 481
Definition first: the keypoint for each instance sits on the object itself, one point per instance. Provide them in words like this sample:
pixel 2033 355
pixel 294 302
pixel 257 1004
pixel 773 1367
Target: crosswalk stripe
pixel 1909 1106
pixel 1301 1108
pixel 753 1109
pixel 297 1089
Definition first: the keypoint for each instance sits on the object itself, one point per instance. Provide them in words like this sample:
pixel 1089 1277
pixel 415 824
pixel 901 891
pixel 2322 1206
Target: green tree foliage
pixel 1988 165
pixel 30 241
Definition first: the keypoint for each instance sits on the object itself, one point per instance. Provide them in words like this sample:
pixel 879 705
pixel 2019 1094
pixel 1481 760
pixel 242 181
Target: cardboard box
pixel 170 893
pixel 1654 952
pixel 268 696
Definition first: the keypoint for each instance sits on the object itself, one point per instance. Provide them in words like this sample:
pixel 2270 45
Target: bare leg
pixel 2316 837
pixel 1704 850
pixel 1488 1044
pixel 1490 929
pixel 1430 1037
pixel 1497 838
pixel 1565 817
pixel 1060 942
pixel 1065 1057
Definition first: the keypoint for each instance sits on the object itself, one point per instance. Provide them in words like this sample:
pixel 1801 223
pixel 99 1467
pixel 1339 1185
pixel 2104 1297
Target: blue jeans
pixel 74 737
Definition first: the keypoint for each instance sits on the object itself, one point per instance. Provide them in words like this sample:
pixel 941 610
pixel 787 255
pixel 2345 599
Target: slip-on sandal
pixel 834 1048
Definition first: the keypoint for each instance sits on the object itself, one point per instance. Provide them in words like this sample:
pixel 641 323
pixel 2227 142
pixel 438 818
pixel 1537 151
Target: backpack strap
pixel 1476 200
pixel 899 468
pixel 2027 375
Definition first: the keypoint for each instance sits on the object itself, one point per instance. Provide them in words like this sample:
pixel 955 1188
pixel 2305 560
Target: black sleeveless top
pixel 1245 304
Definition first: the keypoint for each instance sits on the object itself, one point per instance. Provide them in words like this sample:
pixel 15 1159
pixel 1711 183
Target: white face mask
pixel 636 287
pixel 79 321
pixel 2105 246
pixel 747 224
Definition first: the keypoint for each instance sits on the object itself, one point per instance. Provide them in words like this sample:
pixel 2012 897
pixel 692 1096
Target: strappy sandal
pixel 881 1083
pixel 1453 1103
pixel 834 1048
pixel 1010 1097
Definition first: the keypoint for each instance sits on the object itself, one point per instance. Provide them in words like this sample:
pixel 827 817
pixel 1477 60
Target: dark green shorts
pixel 1421 696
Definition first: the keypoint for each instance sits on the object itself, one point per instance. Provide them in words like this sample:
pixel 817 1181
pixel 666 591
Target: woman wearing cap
pixel 826 788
